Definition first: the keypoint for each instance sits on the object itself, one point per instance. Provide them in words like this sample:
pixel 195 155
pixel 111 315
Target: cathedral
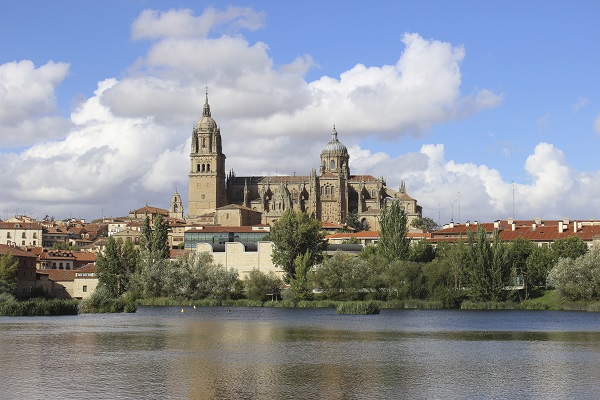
pixel 332 193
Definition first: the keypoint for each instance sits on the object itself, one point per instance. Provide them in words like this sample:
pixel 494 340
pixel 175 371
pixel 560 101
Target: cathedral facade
pixel 332 193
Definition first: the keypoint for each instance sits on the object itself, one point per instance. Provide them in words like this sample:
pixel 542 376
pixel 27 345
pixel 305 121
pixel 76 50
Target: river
pixel 274 353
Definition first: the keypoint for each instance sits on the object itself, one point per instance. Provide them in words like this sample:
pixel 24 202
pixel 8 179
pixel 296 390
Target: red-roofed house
pixel 541 232
pixel 26 274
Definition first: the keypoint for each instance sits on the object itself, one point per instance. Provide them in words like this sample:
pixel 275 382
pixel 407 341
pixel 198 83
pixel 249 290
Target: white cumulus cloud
pixel 128 143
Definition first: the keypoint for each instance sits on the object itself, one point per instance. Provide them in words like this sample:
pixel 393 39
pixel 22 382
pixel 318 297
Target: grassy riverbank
pixel 38 307
pixel 546 300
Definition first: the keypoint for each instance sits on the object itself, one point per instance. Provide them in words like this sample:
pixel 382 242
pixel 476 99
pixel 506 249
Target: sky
pixel 486 110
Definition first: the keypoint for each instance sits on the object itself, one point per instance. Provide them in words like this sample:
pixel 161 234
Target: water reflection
pixel 289 354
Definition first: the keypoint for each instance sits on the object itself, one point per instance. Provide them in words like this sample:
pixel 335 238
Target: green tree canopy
pixel 489 269
pixel 8 276
pixel 571 247
pixel 538 265
pixel 352 221
pixel 258 284
pixel 63 246
pixel 425 223
pixel 296 234
pixel 116 266
pixel 393 243
pixel 577 279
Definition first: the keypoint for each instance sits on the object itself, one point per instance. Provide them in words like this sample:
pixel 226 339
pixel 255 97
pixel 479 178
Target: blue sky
pixel 97 101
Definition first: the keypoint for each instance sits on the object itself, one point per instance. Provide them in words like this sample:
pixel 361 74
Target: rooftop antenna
pixel 452 219
pixel 459 207
pixel 513 189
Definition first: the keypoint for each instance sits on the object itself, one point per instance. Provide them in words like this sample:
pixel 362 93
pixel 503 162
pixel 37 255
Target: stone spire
pixel 206 112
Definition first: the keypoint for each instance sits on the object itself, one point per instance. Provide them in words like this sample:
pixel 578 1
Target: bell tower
pixel 207 167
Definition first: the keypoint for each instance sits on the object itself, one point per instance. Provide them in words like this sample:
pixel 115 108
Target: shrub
pixel 359 307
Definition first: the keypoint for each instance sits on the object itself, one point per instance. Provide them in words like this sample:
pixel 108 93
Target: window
pixel 34 243
pixel 207 167
pixel 8 235
pixel 332 164
pixel 198 168
pixel 84 289
pixel 23 243
pixel 35 235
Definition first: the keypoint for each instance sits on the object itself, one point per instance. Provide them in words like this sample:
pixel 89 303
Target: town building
pixel 26 274
pixel 21 234
pixel 332 192
pixel 539 231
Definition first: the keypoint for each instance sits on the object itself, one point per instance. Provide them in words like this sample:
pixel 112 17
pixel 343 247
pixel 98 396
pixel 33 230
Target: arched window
pixel 207 167
pixel 324 164
pixel 203 142
pixel 332 164
pixel 175 208
pixel 198 168
pixel 332 190
pixel 203 167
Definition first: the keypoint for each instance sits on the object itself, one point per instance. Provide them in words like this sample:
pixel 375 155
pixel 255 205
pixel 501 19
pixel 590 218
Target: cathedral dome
pixel 206 124
pixel 335 147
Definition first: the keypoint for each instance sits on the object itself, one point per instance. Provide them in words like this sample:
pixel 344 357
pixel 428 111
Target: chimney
pixel 560 227
pixel 510 221
pixel 467 224
pixel 497 224
pixel 533 226
pixel 513 226
pixel 538 221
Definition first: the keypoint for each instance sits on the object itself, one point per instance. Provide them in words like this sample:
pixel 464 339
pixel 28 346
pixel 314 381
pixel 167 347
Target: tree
pixel 519 251
pixel 294 234
pixel 577 279
pixel 63 246
pixel 538 265
pixel 456 257
pixel 109 268
pixel 8 273
pixel 257 284
pixel 353 222
pixel 343 277
pixel 489 270
pixel 393 243
pixel 299 283
pixel 422 252
pixel 425 223
pixel 116 266
pixel 571 247
pixel 146 235
pixel 160 237
pixel 405 280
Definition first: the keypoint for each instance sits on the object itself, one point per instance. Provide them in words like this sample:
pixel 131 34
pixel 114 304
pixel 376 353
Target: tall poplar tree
pixel 393 243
